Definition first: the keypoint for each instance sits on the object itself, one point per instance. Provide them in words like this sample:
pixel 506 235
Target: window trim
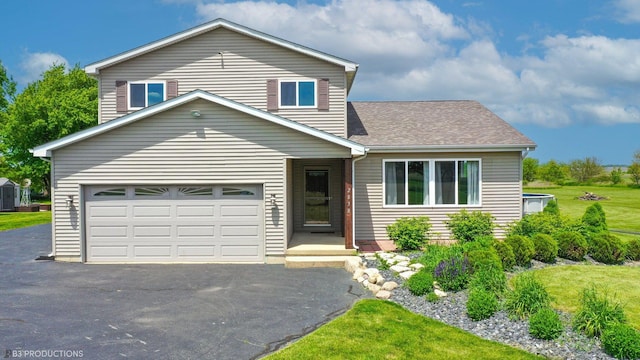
pixel 146 92
pixel 432 183
pixel 298 81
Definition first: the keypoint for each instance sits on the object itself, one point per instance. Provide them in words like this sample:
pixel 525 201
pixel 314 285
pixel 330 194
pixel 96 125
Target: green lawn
pixel 622 209
pixel 565 284
pixel 15 220
pixel 377 329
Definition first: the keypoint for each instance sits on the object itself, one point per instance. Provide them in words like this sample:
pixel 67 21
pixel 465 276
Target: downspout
pixel 52 254
pixel 353 198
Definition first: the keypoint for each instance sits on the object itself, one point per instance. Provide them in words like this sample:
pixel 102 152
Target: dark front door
pixel 317 198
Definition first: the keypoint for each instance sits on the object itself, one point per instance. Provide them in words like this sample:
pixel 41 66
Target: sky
pixel 566 73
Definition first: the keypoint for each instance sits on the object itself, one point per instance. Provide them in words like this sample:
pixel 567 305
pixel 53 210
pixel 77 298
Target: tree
pixel 552 171
pixel 7 89
pixel 529 169
pixel 585 170
pixel 634 171
pixel 57 105
pixel 616 176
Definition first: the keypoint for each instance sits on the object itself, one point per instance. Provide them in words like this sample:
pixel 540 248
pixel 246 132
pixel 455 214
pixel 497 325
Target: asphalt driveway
pixel 158 311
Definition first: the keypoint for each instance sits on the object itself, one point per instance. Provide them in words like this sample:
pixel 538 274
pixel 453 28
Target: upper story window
pixel 431 182
pixel 136 95
pixel 143 94
pixel 298 93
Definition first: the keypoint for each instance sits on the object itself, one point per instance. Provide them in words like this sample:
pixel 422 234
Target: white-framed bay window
pixel 431 182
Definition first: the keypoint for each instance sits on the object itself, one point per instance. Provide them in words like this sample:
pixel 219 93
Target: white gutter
pixel 353 198
pixel 525 153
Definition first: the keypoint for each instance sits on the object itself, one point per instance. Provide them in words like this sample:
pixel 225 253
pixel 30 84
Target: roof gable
pixel 350 67
pixel 46 149
pixel 431 125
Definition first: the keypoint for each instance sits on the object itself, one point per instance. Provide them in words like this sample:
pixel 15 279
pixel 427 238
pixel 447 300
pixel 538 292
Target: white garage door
pixel 221 223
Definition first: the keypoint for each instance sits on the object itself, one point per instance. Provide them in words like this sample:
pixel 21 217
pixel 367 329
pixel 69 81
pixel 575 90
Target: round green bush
pixel 607 248
pixel 467 226
pixel 482 304
pixel 621 341
pixel 409 233
pixel 546 248
pixel 505 252
pixel 523 249
pixel 545 324
pixel 421 283
pixel 489 278
pixel 484 257
pixel 551 208
pixel 571 245
pixel 633 249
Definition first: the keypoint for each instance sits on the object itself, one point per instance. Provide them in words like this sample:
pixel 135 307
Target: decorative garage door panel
pixel 174 223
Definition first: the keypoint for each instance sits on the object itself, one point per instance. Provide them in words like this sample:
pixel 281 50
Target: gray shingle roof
pixel 430 124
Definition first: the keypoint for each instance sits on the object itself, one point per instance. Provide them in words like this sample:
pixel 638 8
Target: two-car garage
pixel 190 223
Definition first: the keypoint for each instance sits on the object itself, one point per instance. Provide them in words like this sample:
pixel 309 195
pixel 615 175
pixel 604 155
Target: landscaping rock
pixel 439 293
pixel 353 263
pixel 407 274
pixel 383 294
pixel 416 266
pixel 374 288
pixel 371 272
pixel 358 273
pixel 400 268
pixel 389 285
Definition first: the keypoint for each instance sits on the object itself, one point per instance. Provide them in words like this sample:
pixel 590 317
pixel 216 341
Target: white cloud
pixel 628 11
pixel 411 50
pixel 34 64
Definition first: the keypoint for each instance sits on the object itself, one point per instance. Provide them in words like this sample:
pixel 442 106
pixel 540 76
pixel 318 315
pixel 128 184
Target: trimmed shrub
pixel 409 233
pixel 546 248
pixel 489 278
pixel 545 324
pixel 432 297
pixel 482 304
pixel 537 223
pixel 607 248
pixel 594 219
pixel 551 208
pixel 621 341
pixel 523 249
pixel 421 283
pixel 453 274
pixel 467 226
pixel 571 245
pixel 633 249
pixel 480 243
pixel 596 312
pixel 505 252
pixel 483 258
pixel 528 296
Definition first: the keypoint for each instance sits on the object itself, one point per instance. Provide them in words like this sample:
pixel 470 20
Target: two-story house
pixel 225 144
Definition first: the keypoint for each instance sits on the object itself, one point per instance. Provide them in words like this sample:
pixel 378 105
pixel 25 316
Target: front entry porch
pixel 317 250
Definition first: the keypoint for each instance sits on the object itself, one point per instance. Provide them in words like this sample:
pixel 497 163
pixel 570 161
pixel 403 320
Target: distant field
pixel 622 209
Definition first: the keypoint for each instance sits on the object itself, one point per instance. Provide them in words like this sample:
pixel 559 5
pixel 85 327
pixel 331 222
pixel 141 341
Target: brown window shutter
pixel 121 96
pixel 323 94
pixel 272 95
pixel 172 89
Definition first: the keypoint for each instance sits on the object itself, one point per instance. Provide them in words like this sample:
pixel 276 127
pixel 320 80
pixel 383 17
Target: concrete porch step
pixel 299 262
pixel 320 250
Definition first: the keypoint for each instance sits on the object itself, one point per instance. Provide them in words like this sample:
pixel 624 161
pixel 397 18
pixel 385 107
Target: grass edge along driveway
pixel 17 220
pixel 378 329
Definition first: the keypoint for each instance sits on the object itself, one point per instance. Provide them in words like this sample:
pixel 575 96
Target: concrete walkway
pixel 159 311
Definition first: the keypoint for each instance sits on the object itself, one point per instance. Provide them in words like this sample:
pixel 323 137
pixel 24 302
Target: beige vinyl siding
pixel 501 194
pixel 240 74
pixel 221 146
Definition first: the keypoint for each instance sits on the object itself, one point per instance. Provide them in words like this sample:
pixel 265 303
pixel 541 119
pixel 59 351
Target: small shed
pixel 9 192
